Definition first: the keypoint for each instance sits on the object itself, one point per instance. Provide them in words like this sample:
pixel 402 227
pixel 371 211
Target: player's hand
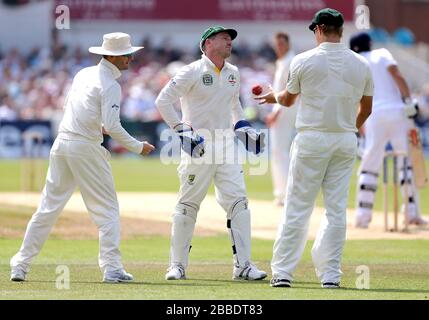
pixel 269 97
pixel 253 140
pixel 147 148
pixel 192 143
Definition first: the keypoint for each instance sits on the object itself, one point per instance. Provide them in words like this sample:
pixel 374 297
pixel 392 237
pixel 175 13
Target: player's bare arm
pixel 365 110
pixel 285 98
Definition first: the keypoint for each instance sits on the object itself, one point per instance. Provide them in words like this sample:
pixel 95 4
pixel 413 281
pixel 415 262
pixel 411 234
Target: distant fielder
pixel 209 92
pixel 388 123
pixel 77 159
pixel 281 121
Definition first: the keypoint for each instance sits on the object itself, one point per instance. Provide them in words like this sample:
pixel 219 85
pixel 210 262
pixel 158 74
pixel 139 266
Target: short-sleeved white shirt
pixel 386 92
pixel 331 80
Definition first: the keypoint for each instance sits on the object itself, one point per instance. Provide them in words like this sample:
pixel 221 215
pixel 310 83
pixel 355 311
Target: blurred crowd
pixel 34 85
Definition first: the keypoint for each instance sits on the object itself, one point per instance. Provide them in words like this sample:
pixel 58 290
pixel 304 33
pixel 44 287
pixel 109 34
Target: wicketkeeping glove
pixel 411 108
pixel 252 139
pixel 192 143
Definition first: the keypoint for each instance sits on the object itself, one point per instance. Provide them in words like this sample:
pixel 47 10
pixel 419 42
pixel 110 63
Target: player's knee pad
pixel 187 209
pixel 367 186
pixel 406 174
pixel 406 178
pixel 408 189
pixel 239 206
pixel 182 230
pixel 238 224
pixel 181 236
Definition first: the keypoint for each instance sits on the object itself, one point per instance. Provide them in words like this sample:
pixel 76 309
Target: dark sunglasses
pixel 130 55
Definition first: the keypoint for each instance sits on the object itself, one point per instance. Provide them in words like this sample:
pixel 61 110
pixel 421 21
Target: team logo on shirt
pixel 115 106
pixel 191 179
pixel 207 79
pixel 232 79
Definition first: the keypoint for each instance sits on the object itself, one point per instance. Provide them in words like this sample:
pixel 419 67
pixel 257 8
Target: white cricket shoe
pixel 249 272
pixel 331 285
pixel 175 272
pixel 280 282
pixel 362 219
pixel 17 274
pixel 418 221
pixel 117 276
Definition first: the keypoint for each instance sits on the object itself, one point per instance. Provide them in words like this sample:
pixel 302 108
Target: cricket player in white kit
pixel 209 93
pixel 332 81
pixel 77 159
pixel 281 121
pixel 390 121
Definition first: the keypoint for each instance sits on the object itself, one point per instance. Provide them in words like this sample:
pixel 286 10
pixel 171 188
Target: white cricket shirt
pixel 209 98
pixel 94 101
pixel 331 80
pixel 386 92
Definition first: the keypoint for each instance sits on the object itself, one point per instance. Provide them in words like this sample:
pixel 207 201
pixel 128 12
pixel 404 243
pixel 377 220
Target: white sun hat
pixel 115 44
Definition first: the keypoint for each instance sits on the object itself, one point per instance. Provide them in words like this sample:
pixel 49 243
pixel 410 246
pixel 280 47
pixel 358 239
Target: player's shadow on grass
pixel 385 290
pixel 164 283
pixel 232 281
pixel 318 287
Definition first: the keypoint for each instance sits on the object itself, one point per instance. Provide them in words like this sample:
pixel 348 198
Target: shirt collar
pixel 332 46
pixel 209 62
pixel 116 73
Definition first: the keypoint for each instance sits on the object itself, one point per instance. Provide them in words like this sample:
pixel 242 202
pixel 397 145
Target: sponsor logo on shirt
pixel 115 106
pixel 232 79
pixel 207 79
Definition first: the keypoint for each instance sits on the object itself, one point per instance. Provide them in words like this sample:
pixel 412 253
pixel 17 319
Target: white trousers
pixel 318 160
pixel 281 137
pixel 76 164
pixel 195 180
pixel 380 128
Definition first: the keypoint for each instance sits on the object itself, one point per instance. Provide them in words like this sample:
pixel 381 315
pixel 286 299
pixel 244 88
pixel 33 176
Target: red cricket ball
pixel 257 90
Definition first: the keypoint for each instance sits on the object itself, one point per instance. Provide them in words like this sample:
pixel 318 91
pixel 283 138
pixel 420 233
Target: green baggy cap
pixel 216 29
pixel 328 17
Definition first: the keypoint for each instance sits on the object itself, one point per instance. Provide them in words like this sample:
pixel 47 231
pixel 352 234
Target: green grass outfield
pixel 149 174
pixel 397 270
